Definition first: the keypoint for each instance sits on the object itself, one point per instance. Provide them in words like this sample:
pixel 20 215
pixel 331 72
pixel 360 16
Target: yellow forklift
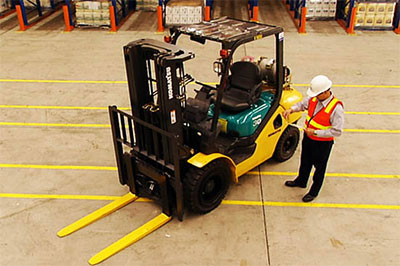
pixel 184 152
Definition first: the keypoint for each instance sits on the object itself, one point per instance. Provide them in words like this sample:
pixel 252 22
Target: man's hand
pixel 286 113
pixel 309 131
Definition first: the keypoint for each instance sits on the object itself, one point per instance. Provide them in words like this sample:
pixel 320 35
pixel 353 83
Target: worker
pixel 324 122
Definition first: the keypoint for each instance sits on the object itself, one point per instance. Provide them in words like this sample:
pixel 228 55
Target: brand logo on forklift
pixel 169 83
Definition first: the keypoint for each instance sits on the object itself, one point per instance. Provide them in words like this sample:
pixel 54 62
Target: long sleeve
pixel 301 106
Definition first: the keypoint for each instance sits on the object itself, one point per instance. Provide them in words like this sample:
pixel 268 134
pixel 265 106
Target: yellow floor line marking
pixel 127 108
pixel 107 126
pixel 372 130
pixel 225 202
pixel 69 197
pixel 315 205
pixel 112 168
pixel 64 81
pixel 60 107
pixel 327 174
pixel 212 83
pixel 371 113
pixel 52 125
pixel 352 86
pixel 62 167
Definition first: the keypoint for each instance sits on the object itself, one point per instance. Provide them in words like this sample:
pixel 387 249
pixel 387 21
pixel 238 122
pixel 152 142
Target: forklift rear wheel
pixel 287 144
pixel 205 187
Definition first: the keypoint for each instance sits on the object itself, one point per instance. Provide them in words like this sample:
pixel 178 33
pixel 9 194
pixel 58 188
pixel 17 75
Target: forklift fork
pixel 124 242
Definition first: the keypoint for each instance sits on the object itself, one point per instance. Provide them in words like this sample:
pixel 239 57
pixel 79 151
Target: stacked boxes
pixel 180 12
pixel 147 5
pixel 92 13
pixel 373 14
pixel 321 9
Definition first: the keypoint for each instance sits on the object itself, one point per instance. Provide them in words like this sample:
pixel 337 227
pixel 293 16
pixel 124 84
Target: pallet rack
pixel 23 11
pixel 298 11
pixel 348 21
pixel 117 16
pixel 252 6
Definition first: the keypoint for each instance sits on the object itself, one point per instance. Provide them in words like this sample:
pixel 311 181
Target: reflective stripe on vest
pixel 321 121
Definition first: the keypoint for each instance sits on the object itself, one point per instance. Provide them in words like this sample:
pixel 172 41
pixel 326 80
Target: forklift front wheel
pixel 287 144
pixel 205 188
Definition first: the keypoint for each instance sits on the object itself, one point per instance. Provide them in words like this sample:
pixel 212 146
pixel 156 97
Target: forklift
pixel 183 152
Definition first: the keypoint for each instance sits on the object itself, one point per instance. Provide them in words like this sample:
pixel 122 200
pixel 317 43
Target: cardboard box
pixel 390 8
pixel 332 13
pixel 96 15
pixel 378 21
pixel 80 15
pixel 95 5
pixel 311 4
pixel 80 5
pixel 360 18
pixel 325 6
pixel 388 20
pixel 325 13
pixel 369 20
pixel 310 13
pixel 371 8
pixel 198 18
pixel 105 14
pixel 86 5
pixel 362 8
pixel 105 5
pixel 198 10
pixel 106 22
pixel 381 8
pixel 175 19
pixel 88 15
pixel 318 13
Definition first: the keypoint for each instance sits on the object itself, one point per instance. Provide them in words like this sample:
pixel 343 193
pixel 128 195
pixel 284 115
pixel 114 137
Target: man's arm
pixel 298 107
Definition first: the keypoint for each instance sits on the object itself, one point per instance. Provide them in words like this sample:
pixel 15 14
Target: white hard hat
pixel 318 85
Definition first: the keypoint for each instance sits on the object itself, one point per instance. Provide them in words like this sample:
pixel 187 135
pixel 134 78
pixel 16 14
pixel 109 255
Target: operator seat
pixel 243 88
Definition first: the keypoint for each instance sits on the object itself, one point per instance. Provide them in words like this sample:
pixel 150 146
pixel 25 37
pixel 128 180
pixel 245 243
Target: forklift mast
pixel 149 143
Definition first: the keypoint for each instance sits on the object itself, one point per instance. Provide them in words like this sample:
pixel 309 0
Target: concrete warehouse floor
pixel 354 221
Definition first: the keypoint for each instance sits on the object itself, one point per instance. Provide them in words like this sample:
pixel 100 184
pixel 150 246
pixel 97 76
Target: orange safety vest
pixel 321 121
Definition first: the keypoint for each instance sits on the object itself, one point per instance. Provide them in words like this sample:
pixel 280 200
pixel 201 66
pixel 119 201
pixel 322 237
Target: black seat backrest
pixel 245 75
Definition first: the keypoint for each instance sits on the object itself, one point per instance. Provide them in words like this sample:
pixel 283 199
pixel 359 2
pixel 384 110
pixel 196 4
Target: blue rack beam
pixel 22 12
pixel 297 10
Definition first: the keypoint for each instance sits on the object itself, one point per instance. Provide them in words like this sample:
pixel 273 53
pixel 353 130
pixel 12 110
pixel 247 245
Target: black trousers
pixel 313 153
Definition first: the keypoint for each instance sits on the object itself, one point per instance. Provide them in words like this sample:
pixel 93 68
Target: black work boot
pixel 308 197
pixel 290 183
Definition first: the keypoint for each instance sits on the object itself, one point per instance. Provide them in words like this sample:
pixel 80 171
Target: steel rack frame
pixel 298 11
pixel 22 12
pixel 253 10
pixel 348 21
pixel 117 16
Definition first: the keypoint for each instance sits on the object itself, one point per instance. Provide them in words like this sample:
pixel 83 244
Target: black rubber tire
pixel 204 188
pixel 287 144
